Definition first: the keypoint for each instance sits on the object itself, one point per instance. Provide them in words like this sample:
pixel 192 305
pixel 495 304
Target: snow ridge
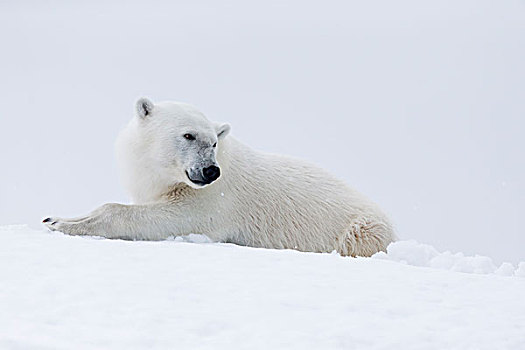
pixel 418 254
pixel 66 292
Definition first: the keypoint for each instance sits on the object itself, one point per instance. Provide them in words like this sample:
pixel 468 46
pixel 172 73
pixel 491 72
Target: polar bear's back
pixel 282 202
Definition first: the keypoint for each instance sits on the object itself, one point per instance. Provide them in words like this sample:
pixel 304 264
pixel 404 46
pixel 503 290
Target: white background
pixel 417 104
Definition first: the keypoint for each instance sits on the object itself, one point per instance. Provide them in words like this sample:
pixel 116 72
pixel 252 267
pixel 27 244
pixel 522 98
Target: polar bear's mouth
pixel 204 176
pixel 194 180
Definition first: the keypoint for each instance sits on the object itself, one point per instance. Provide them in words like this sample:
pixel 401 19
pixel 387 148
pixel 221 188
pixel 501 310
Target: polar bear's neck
pixel 137 170
pixel 145 184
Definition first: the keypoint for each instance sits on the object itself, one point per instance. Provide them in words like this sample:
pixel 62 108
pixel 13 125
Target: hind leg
pixel 365 237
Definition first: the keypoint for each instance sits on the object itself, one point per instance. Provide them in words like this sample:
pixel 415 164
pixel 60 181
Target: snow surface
pixel 62 292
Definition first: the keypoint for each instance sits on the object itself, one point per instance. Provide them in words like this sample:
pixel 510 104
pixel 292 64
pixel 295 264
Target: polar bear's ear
pixel 144 107
pixel 223 130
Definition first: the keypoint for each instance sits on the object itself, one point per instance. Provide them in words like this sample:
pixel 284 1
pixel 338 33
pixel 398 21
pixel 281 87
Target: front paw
pixel 65 226
pixel 51 223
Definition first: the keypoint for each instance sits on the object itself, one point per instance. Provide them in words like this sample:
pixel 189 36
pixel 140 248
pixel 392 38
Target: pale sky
pixel 419 105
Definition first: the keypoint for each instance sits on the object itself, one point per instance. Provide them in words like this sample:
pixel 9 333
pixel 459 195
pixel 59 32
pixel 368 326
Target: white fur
pixel 260 199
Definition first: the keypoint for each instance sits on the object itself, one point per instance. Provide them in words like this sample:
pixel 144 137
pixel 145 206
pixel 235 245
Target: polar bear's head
pixel 169 143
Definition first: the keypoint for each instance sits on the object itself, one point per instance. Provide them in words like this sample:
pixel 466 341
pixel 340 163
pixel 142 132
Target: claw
pixel 50 223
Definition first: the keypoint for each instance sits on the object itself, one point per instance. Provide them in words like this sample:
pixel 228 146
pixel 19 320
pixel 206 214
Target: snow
pixel 418 254
pixel 506 269
pixel 521 269
pixel 62 292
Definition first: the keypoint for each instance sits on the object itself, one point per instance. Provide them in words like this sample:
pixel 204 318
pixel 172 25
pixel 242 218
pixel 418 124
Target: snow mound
pixel 521 269
pixel 64 292
pixel 418 254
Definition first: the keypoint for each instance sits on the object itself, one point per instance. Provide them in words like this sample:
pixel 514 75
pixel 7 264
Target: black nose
pixel 211 173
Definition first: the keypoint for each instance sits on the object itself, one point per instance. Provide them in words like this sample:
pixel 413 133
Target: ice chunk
pixel 520 271
pixel 411 252
pixel 506 269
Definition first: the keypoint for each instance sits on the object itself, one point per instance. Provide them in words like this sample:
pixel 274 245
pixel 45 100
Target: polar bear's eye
pixel 189 137
pixel 215 144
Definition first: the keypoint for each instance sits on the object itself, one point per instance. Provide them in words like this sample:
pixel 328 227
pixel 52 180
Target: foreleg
pixel 136 222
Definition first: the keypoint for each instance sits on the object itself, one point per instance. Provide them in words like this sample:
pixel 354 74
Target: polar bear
pixel 186 175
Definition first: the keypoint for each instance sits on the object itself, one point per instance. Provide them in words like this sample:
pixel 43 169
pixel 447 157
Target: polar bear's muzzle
pixel 204 176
